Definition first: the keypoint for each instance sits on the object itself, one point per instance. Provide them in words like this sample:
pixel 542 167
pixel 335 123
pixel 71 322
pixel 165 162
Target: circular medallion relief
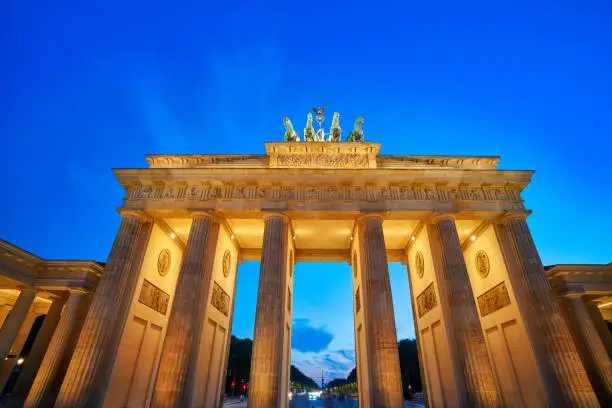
pixel 420 264
pixel 163 262
pixel 227 263
pixel 291 263
pixel 482 263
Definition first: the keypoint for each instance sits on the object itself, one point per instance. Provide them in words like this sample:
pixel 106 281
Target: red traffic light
pixel 233 383
pixel 244 387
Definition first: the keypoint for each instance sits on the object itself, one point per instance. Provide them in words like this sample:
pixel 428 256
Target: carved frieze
pixel 494 299
pixel 335 161
pixel 427 300
pixel 154 297
pixel 220 299
pixel 321 192
pixel 323 155
pixel 357 301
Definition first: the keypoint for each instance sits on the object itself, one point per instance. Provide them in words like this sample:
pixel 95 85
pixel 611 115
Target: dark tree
pixel 238 365
pixel 409 366
pixel 301 380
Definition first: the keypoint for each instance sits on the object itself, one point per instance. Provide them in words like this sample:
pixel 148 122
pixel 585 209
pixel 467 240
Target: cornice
pixel 13 251
pixel 296 152
pixel 456 162
pixel 207 160
pixel 574 270
pixel 441 176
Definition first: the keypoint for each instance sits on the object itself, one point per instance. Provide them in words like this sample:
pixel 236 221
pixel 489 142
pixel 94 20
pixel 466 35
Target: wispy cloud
pixel 334 363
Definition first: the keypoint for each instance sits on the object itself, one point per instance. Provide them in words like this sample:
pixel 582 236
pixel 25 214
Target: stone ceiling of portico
pixel 465 228
pixel 309 234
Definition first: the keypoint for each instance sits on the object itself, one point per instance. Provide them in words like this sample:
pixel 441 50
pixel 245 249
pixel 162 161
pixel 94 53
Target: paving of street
pixel 301 401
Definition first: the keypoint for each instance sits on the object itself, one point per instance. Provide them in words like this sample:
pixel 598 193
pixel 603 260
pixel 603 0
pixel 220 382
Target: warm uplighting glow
pixel 413 238
pixel 232 237
pixel 20 361
pixel 604 305
pixel 473 237
pixel 351 237
pixel 172 235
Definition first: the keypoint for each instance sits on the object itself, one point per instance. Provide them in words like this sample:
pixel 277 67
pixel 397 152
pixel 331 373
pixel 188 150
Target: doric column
pixel 385 377
pixel 32 363
pixel 266 360
pixel 473 373
pixel 177 367
pixel 89 371
pixel 14 320
pixel 591 347
pixel 7 366
pixel 602 326
pixel 566 381
pixel 51 373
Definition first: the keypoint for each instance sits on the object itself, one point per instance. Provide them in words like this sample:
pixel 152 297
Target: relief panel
pixel 154 297
pixel 494 299
pixel 220 299
pixel 426 300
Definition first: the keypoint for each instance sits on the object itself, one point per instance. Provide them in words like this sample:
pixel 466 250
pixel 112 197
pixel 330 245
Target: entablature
pixel 392 190
pixel 22 267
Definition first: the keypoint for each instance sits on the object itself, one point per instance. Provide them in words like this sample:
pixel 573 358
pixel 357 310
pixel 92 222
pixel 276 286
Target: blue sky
pixel 87 86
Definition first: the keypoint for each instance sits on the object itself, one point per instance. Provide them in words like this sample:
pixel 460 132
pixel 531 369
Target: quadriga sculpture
pixel 357 134
pixel 290 135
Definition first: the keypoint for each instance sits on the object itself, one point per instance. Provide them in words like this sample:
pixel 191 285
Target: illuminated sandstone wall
pixel 138 356
pixel 287 318
pixel 214 342
pixel 507 342
pixel 434 349
pixel 361 355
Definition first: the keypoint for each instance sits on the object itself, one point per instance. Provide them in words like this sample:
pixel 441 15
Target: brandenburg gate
pixel 490 330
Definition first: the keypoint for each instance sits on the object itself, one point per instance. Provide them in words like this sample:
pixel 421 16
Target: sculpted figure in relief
pixel 357 134
pixel 290 135
pixel 334 131
pixel 309 132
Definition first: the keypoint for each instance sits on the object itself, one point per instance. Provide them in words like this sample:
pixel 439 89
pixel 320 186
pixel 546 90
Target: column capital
pixel 513 215
pixel 441 216
pixel 365 215
pixel 79 291
pixel 283 216
pixel 141 215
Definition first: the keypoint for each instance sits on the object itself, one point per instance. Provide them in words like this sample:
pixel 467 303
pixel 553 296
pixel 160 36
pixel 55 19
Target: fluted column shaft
pixel 89 371
pixel 49 377
pixel 473 372
pixel 602 327
pixel 14 320
pixel 561 368
pixel 32 363
pixel 590 345
pixel 266 369
pixel 179 354
pixel 385 377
